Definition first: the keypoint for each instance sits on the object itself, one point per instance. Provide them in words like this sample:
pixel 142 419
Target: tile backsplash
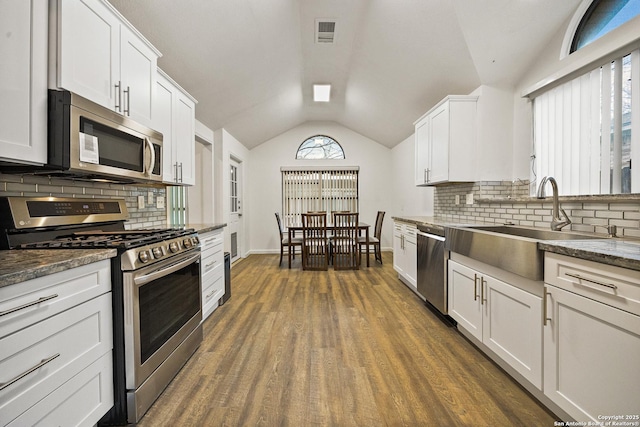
pixel 34 186
pixel 505 201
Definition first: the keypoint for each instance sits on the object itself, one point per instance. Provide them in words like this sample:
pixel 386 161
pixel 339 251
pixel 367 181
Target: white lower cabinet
pixel 405 253
pixel 56 343
pixel 212 268
pixel 505 318
pixel 592 338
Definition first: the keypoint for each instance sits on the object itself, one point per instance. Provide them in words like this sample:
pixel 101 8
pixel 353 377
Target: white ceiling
pixel 251 63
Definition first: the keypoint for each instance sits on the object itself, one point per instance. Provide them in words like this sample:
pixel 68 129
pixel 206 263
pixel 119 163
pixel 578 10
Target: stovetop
pixel 125 239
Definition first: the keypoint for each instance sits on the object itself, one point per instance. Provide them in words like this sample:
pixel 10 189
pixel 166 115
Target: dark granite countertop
pixel 20 265
pixel 619 252
pixel 205 228
pixel 607 251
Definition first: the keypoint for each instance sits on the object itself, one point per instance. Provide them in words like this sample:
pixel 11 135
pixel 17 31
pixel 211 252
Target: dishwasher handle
pixel 430 236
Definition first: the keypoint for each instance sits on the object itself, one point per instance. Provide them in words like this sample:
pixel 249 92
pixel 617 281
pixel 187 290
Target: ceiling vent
pixel 325 31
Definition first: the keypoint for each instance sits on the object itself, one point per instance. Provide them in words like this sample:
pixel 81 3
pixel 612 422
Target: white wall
pixel 408 200
pixel 263 179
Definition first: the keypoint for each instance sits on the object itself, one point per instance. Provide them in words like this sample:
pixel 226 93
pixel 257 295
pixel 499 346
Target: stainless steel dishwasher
pixel 432 268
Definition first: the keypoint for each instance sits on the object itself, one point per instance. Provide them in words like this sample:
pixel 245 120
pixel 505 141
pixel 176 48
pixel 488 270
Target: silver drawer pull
pixel 579 277
pixel 211 294
pixel 29 304
pixel 28 371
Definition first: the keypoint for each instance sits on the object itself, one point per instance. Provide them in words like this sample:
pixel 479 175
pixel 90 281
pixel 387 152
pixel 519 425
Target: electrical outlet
pixel 457 199
pixel 140 202
pixel 469 200
pixel 160 202
pixel 150 198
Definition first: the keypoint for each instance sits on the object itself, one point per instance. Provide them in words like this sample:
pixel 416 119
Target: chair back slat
pixel 315 251
pixel 378 229
pixel 345 241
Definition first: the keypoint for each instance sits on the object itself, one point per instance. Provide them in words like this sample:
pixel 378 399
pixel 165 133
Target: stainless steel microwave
pixel 87 140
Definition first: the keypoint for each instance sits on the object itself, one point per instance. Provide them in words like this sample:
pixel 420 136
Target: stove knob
pixel 196 240
pixel 187 243
pixel 157 252
pixel 174 247
pixel 144 256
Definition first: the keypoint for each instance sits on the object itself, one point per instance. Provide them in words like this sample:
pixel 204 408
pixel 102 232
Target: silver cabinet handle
pixel 544 306
pixel 428 172
pixel 425 176
pixel 29 304
pixel 28 371
pixel 181 172
pixel 118 106
pixel 475 287
pixel 210 295
pixel 579 277
pixel 482 283
pixel 127 110
pixel 206 267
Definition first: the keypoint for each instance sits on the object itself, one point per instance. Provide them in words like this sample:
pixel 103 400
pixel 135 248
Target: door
pixel 23 80
pixel 138 65
pixel 590 357
pixel 89 51
pixel 464 298
pixel 235 208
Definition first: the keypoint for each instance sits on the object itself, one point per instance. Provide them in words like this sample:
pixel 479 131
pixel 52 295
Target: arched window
pixel 320 147
pixel 601 17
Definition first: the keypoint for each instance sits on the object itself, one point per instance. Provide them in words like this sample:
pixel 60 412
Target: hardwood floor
pixel 347 348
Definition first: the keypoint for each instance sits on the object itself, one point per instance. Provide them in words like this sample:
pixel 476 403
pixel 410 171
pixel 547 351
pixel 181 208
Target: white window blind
pixel 327 190
pixel 587 130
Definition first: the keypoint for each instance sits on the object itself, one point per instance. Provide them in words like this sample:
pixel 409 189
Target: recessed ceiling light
pixel 321 93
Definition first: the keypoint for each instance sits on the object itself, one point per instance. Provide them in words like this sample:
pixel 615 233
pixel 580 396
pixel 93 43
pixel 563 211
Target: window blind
pixel 583 130
pixel 328 190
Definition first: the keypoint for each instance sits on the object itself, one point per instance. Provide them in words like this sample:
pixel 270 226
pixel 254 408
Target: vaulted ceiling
pixel 251 63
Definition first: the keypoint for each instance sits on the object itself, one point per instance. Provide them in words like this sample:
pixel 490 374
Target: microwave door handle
pixel 153 156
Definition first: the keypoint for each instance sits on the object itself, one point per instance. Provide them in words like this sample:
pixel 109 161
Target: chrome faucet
pixel 556 222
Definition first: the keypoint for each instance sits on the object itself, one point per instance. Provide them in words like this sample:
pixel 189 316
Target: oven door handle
pixel 161 272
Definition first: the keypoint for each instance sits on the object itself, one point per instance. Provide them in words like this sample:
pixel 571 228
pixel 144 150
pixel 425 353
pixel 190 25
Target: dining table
pixel 362 226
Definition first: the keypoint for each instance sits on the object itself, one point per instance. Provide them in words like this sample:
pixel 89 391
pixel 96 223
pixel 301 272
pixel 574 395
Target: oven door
pixel 162 306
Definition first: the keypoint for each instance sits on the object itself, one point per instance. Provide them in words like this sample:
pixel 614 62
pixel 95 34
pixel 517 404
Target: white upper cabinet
pixel 174 117
pixel 101 57
pixel 23 81
pixel 445 142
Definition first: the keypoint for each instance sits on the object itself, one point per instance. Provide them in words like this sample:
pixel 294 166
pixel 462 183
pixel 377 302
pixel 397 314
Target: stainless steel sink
pixel 510 248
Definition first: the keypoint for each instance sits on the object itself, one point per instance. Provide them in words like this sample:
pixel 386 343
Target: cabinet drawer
pixel 211 264
pixel 611 285
pixel 210 296
pixel 69 341
pixel 82 400
pixel 56 293
pixel 211 239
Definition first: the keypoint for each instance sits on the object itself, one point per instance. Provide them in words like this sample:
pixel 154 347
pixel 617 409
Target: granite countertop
pixel 205 227
pixel 616 252
pixel 20 265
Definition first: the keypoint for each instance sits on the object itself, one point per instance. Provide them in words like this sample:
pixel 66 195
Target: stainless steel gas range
pixel 155 280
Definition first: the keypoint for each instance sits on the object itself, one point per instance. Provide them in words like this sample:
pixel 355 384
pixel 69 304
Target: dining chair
pixel 375 239
pixel 284 240
pixel 344 242
pixel 315 248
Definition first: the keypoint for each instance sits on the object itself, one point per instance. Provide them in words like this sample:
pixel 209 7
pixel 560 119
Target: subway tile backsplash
pixel 502 202
pixel 39 186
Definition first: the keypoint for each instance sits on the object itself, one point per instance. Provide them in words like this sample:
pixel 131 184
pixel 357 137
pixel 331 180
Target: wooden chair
pixel 315 248
pixel 375 239
pixel 284 240
pixel 344 242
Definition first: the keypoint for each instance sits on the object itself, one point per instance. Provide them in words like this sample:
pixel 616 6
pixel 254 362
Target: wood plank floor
pixel 347 348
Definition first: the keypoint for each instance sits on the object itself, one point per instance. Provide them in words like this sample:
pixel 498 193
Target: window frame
pixel 333 142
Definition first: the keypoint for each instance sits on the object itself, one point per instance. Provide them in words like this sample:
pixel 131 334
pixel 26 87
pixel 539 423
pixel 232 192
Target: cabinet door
pixel 23 80
pixel 185 142
pixel 512 327
pixel 439 144
pixel 163 122
pixel 398 251
pixel 88 49
pixel 422 151
pixel 590 356
pixel 464 298
pixel 138 65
